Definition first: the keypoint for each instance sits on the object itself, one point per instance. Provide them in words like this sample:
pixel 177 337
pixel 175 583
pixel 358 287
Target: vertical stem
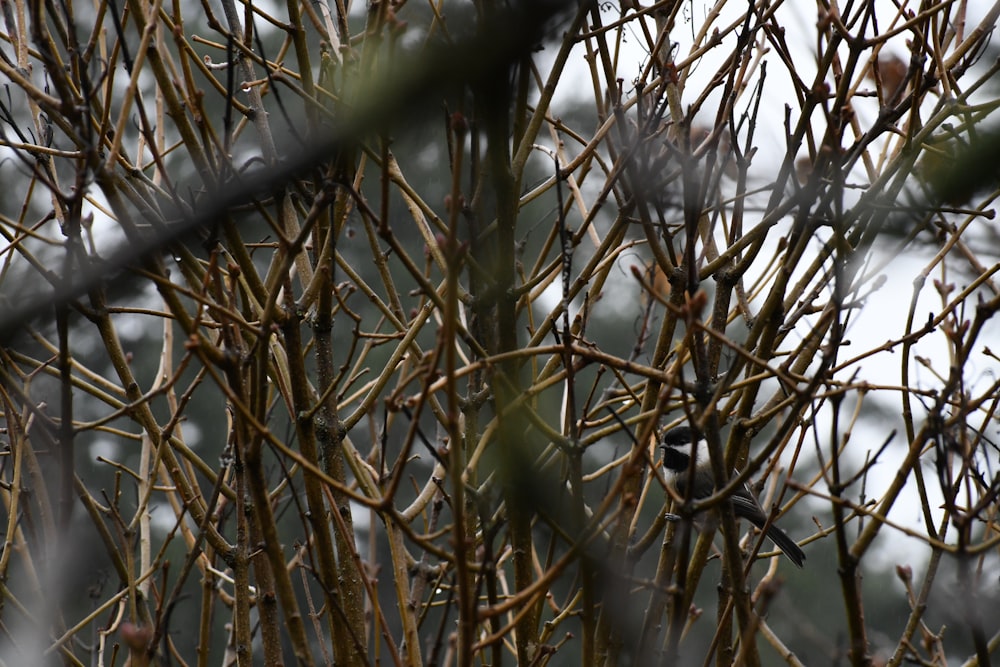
pixel 240 564
pixel 349 636
pixel 305 428
pixel 463 533
pixel 66 431
pixel 493 97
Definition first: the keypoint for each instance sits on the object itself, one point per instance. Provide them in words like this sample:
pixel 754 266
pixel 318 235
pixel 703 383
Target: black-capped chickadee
pixel 677 457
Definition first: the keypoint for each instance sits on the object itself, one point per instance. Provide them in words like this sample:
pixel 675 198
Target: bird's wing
pixel 747 507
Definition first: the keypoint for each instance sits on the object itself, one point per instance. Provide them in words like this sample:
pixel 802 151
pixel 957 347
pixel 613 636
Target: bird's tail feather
pixel 787 545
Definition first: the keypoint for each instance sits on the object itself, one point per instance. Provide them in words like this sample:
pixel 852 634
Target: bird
pixel 676 444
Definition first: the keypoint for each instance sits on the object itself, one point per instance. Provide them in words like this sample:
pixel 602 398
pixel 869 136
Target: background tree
pixel 345 335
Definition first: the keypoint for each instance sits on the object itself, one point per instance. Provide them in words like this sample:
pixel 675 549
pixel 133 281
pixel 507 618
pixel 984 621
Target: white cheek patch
pixel 701 451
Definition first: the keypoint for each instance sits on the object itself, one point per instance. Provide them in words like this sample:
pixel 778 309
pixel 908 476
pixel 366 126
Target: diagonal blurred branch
pixel 408 92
